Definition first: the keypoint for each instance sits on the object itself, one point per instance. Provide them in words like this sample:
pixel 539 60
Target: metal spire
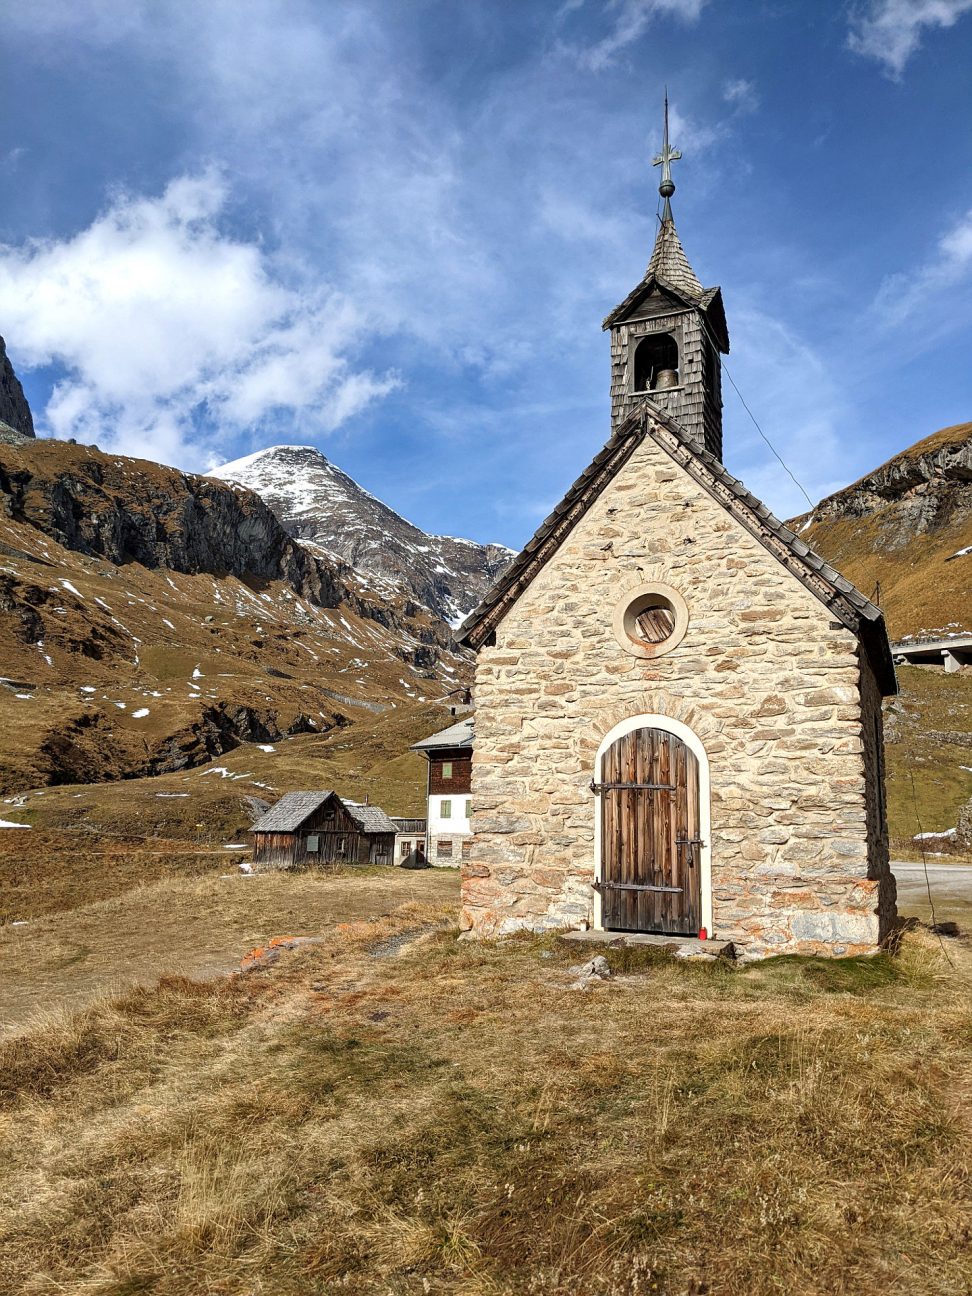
pixel 665 159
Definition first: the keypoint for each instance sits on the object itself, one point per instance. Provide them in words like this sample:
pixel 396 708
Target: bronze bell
pixel 666 378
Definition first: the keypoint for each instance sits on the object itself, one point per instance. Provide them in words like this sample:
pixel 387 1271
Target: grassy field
pixel 198 919
pixel 928 731
pixel 450 1117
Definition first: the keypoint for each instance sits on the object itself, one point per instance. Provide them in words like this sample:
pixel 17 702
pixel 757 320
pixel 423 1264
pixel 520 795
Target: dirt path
pixel 198 927
pixel 950 885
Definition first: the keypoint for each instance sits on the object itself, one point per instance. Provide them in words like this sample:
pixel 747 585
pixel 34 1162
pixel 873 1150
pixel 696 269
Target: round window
pixel 650 620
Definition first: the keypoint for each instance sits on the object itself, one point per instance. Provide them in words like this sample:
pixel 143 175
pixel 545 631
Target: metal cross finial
pixel 665 159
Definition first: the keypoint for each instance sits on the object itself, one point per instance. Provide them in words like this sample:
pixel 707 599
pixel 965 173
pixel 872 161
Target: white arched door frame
pixel 694 744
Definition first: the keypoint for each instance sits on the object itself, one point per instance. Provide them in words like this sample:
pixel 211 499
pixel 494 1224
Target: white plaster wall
pixel 458 824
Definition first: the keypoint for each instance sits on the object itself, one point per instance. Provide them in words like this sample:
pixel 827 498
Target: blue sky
pixel 392 230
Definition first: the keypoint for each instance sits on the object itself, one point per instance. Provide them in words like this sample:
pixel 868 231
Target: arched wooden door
pixel 650 834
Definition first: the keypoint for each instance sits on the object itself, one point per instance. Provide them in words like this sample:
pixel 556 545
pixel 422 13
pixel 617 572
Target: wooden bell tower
pixel 669 334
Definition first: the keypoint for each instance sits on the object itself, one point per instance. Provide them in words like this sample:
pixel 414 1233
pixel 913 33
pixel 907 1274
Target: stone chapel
pixel 678 703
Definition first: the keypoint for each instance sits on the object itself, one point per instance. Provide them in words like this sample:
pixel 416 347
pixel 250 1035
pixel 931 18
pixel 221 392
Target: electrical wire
pixel 789 474
pixel 742 399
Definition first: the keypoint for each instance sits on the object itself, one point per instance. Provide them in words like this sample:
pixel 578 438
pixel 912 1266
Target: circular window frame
pixel 633 604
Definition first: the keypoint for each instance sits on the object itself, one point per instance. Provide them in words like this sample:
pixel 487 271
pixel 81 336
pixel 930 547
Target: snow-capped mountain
pixel 320 505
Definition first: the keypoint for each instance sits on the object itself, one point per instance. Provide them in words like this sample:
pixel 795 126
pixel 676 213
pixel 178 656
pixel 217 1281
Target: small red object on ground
pixel 703 933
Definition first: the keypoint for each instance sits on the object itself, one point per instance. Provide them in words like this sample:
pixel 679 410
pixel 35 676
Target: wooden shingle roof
pixel 843 599
pixel 669 269
pixel 369 818
pixel 290 811
pixel 669 262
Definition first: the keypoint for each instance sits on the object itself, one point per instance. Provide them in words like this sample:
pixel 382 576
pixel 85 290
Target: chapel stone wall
pixel 764 676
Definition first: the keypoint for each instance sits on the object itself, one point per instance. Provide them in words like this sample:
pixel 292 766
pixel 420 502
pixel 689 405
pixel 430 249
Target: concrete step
pixel 683 945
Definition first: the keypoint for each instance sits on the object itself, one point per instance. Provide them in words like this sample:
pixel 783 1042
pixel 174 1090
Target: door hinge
pixel 638 886
pixel 598 788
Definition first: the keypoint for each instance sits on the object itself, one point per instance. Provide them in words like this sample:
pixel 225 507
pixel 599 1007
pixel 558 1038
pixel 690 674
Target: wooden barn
pixel 308 828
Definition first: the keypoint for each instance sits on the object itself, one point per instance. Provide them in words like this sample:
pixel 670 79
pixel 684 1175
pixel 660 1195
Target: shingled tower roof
pixel 670 264
pixel 668 267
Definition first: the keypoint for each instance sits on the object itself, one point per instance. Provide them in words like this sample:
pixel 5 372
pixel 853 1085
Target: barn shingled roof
pixel 290 811
pixel 843 599
pixel 369 818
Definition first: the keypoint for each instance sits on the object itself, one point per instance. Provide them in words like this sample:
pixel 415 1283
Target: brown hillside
pixel 146 653
pixel 905 525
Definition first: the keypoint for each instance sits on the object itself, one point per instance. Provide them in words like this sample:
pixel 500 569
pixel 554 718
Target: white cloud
pixel 158 316
pixel 632 20
pixel 903 296
pixel 741 95
pixel 890 30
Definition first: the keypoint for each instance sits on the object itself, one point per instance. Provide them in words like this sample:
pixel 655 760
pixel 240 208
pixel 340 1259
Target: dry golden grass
pixel 451 1118
pixel 931 704
pixel 199 926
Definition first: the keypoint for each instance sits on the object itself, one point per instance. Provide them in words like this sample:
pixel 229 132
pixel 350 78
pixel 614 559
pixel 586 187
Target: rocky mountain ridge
pixel 136 511
pixel 151 620
pixel 15 413
pixel 903 534
pixel 319 504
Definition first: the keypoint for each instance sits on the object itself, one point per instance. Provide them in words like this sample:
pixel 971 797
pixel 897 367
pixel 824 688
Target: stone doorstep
pixel 690 944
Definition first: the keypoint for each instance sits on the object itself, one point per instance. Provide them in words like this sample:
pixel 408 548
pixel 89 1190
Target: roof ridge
pixel 846 602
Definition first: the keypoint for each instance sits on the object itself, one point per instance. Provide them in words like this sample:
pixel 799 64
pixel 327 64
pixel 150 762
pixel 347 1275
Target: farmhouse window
pixel 313 843
pixel 445 810
pixel 405 848
pixel 447 769
pixel 443 849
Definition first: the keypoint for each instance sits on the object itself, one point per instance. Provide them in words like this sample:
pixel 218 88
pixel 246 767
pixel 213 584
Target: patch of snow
pixel 960 554
pixel 166 621
pixel 66 584
pixel 6 823
pixel 140 714
pixel 927 836
pixel 197 673
pixel 233 846
pixel 88 688
pixel 267 747
pixel 24 697
pixel 121 705
pixel 172 794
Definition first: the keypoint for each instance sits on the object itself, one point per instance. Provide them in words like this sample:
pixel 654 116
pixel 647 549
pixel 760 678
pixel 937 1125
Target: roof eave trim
pixel 637 295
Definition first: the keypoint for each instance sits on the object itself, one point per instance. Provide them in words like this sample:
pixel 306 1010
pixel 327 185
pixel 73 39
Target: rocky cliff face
pixel 908 527
pixel 14 410
pixel 152 620
pixel 927 486
pixel 320 504
pixel 130 510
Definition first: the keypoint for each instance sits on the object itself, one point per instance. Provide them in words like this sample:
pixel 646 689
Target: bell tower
pixel 669 333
